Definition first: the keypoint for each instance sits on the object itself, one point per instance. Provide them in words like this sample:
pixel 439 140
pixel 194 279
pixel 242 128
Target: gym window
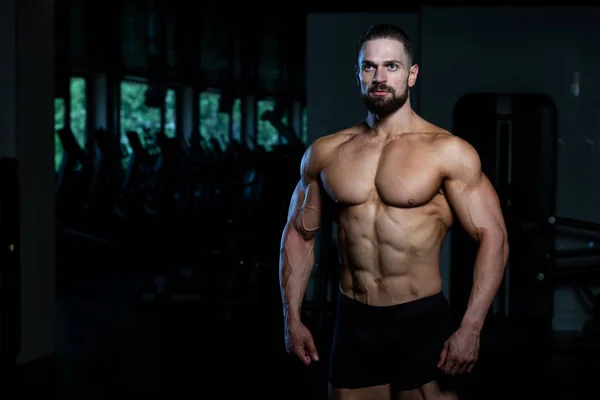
pixel 77 118
pixel 266 134
pixel 216 122
pixel 236 121
pixel 59 123
pixel 171 113
pixel 136 116
pixel 78 111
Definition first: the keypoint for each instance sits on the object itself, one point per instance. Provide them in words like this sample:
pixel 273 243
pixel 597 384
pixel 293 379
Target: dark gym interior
pixel 140 245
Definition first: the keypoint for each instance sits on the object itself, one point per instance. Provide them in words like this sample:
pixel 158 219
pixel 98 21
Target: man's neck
pixel 401 121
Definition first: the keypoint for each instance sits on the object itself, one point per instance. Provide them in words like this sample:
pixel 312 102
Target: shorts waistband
pixel 423 306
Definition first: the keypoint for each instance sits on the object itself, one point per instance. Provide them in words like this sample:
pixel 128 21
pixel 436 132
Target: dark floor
pixel 111 342
pixel 113 345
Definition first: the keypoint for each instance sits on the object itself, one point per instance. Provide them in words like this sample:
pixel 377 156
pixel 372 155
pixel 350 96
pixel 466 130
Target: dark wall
pixel 464 50
pixel 28 114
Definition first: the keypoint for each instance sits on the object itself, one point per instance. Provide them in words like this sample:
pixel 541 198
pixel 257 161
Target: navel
pixel 411 201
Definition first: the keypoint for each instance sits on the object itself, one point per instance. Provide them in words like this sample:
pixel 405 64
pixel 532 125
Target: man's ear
pixel 357 74
pixel 413 73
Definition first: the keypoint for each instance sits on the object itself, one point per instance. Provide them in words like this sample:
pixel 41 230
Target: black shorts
pixel 398 345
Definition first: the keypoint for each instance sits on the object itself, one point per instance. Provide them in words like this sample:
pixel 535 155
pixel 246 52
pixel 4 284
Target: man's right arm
pixel 297 243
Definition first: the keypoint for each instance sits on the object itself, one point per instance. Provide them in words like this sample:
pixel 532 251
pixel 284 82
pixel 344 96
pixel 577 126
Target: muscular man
pixel 398 183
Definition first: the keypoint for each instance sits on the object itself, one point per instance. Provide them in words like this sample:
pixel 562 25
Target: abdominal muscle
pixel 390 255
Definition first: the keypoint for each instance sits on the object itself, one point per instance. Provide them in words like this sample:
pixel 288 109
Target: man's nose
pixel 379 76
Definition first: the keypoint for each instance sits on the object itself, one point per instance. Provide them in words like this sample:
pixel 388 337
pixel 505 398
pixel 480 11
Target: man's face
pixel 384 76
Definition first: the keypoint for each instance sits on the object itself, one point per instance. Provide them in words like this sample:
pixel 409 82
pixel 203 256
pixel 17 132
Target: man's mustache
pixel 380 88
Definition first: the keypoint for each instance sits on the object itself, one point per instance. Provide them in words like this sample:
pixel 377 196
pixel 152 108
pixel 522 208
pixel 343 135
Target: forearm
pixel 487 276
pixel 295 265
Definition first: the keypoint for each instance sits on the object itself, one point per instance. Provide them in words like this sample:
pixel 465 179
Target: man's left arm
pixel 476 204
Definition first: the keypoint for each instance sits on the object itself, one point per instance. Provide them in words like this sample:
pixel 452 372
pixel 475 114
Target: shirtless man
pixel 397 183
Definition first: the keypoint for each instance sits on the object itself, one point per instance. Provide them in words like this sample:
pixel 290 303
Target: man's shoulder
pixel 336 139
pixel 453 146
pixel 451 150
pixel 328 143
pixel 455 153
pixel 321 150
pixel 445 141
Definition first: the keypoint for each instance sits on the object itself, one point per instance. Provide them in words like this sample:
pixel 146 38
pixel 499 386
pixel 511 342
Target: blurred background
pixel 150 149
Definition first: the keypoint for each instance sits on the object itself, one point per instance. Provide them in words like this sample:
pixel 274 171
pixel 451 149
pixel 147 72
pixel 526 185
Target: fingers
pixel 446 362
pixel 469 367
pixel 307 352
pixel 443 356
pixel 302 354
pixel 456 367
pixel 451 368
pixel 300 342
pixel 447 367
pixel 453 364
pixel 312 349
pixel 304 358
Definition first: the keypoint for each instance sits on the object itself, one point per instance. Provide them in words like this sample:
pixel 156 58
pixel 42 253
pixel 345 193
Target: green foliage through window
pixel 59 123
pixel 78 111
pixel 266 134
pixel 215 124
pixel 171 114
pixel 135 115
pixel 77 117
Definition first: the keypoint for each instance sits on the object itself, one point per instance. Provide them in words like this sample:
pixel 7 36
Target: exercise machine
pixel 75 176
pixel 516 138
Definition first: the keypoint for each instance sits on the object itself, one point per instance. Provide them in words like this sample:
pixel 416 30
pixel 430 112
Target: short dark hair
pixel 387 31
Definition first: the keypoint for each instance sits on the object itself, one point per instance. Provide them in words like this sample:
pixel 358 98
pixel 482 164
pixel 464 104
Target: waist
pixel 380 288
pixel 362 313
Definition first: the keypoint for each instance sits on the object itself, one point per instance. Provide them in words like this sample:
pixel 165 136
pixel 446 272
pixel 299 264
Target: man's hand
pixel 460 352
pixel 299 341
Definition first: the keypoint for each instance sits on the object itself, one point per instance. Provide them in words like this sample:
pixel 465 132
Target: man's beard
pixel 383 106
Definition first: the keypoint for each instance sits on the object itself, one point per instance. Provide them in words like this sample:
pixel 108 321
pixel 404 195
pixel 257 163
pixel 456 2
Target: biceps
pixel 478 208
pixel 305 209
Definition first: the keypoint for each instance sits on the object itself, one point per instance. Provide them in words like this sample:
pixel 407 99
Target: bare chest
pixel 398 177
